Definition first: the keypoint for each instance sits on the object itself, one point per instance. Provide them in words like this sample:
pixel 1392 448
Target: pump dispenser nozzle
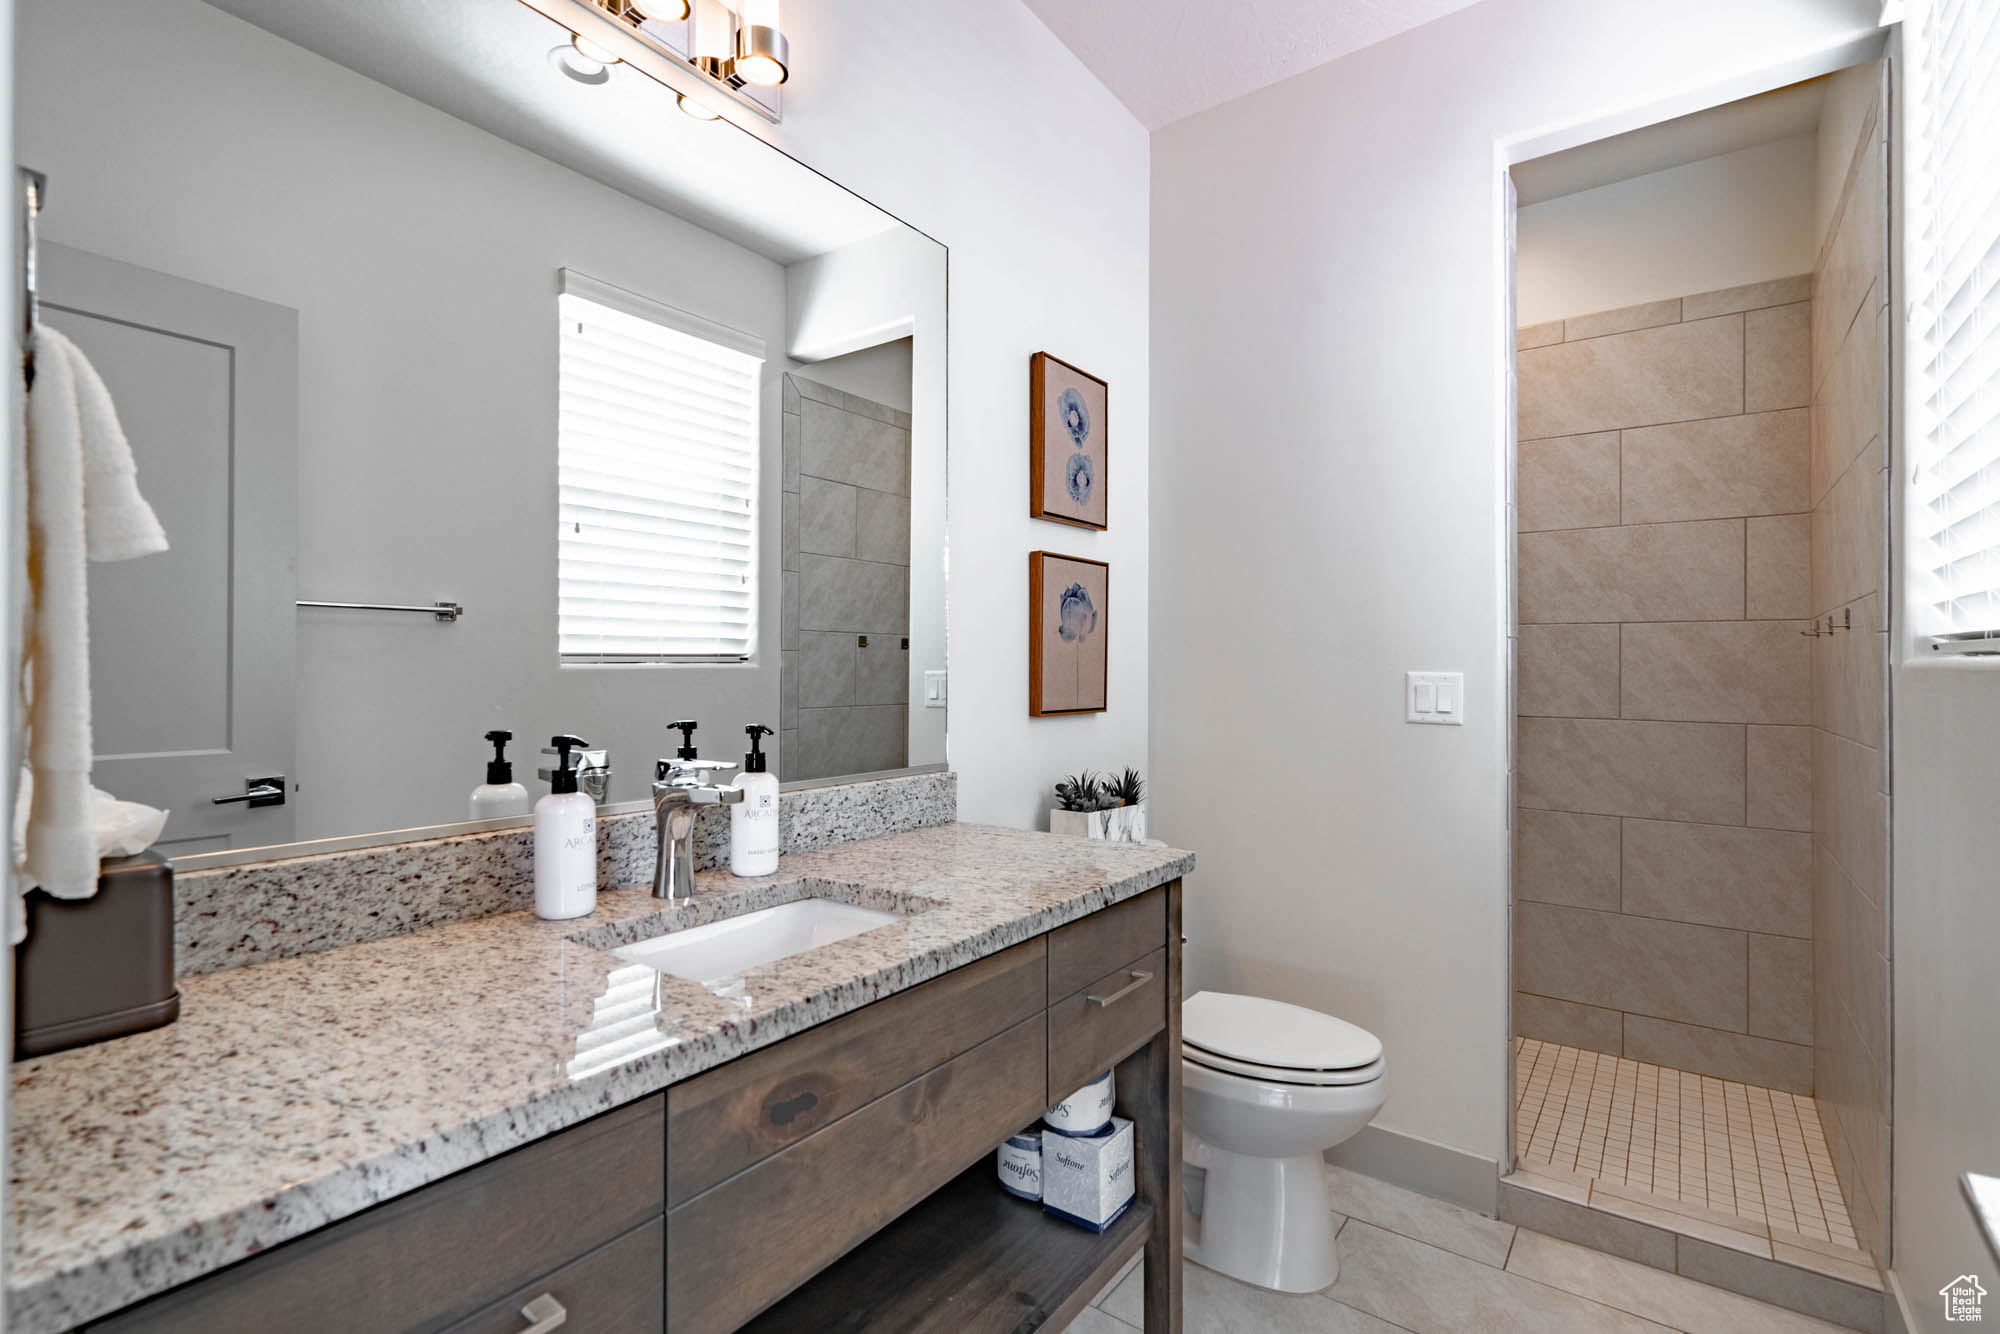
pixel 499 769
pixel 562 778
pixel 686 729
pixel 753 763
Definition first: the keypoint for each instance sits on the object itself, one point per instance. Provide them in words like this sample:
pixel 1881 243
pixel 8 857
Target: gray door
pixel 191 651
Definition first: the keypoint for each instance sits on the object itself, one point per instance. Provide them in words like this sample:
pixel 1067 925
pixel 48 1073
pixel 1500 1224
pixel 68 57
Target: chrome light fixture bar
pixel 733 47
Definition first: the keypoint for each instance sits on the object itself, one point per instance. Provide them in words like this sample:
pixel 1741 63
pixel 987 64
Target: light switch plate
pixel 1441 695
pixel 936 689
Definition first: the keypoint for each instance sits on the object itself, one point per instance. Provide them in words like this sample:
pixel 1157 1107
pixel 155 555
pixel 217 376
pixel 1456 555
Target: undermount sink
pixel 724 949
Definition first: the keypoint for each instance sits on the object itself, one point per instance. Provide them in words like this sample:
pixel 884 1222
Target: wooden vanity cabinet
pixel 840 1179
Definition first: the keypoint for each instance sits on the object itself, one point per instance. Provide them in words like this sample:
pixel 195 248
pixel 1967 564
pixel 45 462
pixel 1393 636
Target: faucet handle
pixel 682 771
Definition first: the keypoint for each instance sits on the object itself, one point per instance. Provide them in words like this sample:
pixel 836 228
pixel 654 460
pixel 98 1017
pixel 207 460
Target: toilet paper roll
pixel 1086 1111
pixel 1020 1163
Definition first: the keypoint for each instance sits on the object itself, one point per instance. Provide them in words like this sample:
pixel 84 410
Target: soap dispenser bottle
pixel 565 840
pixel 753 821
pixel 499 795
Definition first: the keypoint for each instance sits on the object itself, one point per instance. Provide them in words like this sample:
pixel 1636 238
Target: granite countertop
pixel 295 1093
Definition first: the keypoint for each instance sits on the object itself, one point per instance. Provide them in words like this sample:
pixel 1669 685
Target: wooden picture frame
pixel 1069 659
pixel 1069 430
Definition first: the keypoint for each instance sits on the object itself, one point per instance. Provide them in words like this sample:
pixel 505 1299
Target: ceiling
pixel 1763 119
pixel 1165 59
pixel 486 61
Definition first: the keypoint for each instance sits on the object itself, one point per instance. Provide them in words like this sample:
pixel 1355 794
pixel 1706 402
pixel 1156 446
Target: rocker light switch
pixel 1434 697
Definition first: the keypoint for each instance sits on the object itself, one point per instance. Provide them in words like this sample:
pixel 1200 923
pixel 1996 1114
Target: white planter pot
pixel 1084 824
pixel 1122 824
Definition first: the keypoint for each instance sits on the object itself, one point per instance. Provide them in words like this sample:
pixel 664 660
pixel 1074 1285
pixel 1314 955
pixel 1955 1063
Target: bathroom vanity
pixel 475 1126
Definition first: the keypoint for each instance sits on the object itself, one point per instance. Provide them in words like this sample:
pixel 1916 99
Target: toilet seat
pixel 1276 1075
pixel 1267 1039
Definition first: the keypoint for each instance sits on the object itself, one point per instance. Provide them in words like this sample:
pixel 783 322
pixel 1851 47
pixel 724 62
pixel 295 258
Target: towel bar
pixel 444 611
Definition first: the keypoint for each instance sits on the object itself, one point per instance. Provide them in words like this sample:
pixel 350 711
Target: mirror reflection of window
pixel 656 445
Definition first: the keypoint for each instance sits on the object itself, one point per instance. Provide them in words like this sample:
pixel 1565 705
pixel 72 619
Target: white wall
pixel 972 123
pixel 1328 487
pixel 1735 218
pixel 1849 93
pixel 880 374
pixel 421 254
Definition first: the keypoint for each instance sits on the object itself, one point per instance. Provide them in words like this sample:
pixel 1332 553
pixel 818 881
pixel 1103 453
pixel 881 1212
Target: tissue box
pixel 1088 1179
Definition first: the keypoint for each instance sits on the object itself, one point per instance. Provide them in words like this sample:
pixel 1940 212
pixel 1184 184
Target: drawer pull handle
pixel 543 1314
pixel 1139 979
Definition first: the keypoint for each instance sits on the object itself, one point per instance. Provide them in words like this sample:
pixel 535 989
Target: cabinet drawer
pixel 442 1252
pixel 737 1248
pixel 1103 1023
pixel 1087 949
pixel 735 1116
pixel 619 1288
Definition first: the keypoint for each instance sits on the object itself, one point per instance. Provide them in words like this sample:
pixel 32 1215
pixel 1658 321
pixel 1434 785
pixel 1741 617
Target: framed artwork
pixel 1070 429
pixel 1068 634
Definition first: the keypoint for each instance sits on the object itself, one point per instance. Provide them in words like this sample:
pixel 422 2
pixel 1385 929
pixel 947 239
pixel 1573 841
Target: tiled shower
pixel 1700 882
pixel 846 619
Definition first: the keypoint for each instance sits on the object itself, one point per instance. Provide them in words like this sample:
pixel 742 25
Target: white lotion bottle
pixel 565 841
pixel 753 821
pixel 499 795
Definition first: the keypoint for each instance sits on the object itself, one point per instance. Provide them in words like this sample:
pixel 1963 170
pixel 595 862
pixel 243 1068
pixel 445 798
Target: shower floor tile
pixel 1690 1144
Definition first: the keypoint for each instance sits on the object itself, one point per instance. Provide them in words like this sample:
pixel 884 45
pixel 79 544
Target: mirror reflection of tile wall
pixel 847 583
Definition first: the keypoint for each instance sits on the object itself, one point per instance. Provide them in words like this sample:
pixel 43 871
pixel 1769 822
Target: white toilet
pixel 1267 1088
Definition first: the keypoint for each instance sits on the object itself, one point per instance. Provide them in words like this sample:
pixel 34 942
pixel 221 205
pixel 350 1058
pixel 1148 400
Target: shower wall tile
pixel 1677 372
pixel 792 449
pixel 1855 256
pixel 826 517
pixel 1850 814
pixel 845 446
pixel 1667 771
pixel 1779 764
pixel 1777 578
pixel 853 740
pixel 1623 320
pixel 789 518
pixel 1848 546
pixel 1777 357
pixel 853 595
pixel 1570 481
pixel 1649 572
pixel 1590 1027
pixel 1669 970
pixel 1716 672
pixel 882 670
pixel 1718 875
pixel 1849 698
pixel 1568 671
pixel 882 527
pixel 1726 1055
pixel 1851 408
pixel 826 669
pixel 788 692
pixel 1751 296
pixel 1781 988
pixel 1538 335
pixel 1716 469
pixel 1562 857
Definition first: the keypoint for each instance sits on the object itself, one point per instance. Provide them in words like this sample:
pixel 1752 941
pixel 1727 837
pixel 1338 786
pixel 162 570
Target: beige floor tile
pixel 1419 1217
pixel 1212 1304
pixel 1430 1291
pixel 1679 1303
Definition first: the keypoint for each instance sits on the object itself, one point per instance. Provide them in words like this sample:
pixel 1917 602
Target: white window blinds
pixel 1952 184
pixel 657 453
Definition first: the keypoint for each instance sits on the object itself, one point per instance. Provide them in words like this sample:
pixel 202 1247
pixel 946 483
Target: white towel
pixel 82 501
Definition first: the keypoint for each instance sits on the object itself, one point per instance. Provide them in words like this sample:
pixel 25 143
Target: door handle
pixel 1139 979
pixel 257 792
pixel 545 1313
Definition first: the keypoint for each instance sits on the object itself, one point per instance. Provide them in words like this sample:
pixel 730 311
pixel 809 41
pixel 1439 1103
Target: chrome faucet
pixel 678 793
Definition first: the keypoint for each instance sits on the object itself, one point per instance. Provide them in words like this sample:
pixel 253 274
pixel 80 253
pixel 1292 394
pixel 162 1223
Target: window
pixel 657 456
pixel 1953 189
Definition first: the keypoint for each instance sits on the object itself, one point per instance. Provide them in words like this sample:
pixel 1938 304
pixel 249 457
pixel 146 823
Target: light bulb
pixel 590 50
pixel 573 64
pixel 714 26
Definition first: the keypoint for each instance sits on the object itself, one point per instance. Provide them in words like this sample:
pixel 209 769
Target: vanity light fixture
pixel 594 53
pixel 761 50
pixel 695 107
pixel 735 44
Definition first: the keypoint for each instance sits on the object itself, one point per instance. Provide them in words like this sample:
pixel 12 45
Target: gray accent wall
pixel 845 692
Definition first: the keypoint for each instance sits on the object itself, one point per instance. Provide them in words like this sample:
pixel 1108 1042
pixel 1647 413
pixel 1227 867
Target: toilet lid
pixel 1259 1032
pixel 1265 1074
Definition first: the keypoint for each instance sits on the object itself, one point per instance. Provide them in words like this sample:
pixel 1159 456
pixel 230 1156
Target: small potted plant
pixel 1102 807
pixel 1128 821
